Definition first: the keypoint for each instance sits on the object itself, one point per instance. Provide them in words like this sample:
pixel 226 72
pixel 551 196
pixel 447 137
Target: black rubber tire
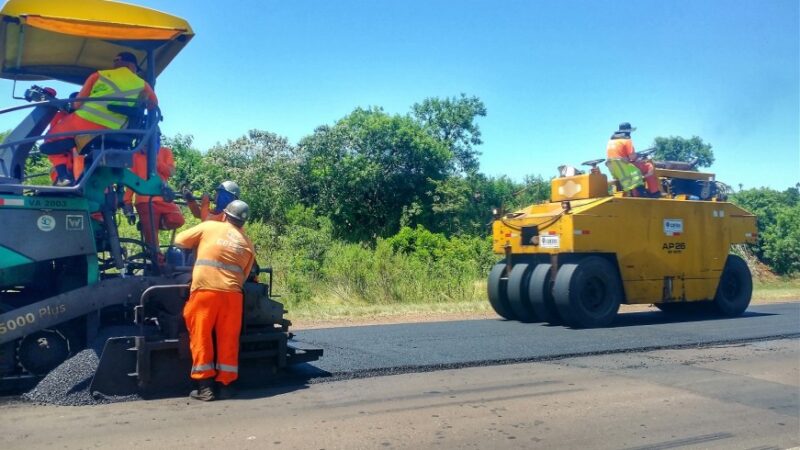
pixel 518 293
pixel 540 293
pixel 498 291
pixel 735 288
pixel 588 294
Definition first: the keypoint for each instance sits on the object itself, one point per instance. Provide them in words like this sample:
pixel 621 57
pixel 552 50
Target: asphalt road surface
pixel 381 349
pixel 647 383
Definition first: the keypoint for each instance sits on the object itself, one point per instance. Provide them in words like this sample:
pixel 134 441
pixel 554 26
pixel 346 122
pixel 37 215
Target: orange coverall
pixel 166 215
pixel 71 160
pixel 619 148
pixel 203 211
pixel 224 258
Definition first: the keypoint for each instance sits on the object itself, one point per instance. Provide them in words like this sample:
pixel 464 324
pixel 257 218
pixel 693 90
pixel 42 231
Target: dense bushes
pixel 778 216
pixel 413 266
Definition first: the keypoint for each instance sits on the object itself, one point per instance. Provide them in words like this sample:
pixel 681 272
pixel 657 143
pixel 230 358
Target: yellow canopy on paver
pixel 67 40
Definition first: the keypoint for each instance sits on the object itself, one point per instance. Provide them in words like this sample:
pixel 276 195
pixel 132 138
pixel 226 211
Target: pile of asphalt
pixel 68 384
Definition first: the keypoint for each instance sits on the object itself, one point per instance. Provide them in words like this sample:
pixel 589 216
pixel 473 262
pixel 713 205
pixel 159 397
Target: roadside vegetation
pixel 383 212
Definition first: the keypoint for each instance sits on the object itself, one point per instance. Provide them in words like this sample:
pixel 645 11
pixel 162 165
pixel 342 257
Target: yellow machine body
pixel 592 185
pixel 667 250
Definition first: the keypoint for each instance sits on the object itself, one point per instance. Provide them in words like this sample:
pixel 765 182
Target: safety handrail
pixel 62 101
pixel 146 133
pixel 149 292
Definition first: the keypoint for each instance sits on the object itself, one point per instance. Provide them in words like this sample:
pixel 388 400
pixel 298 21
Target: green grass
pixel 782 289
pixel 336 308
pixel 364 312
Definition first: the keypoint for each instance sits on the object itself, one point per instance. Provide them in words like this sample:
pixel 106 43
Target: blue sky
pixel 557 77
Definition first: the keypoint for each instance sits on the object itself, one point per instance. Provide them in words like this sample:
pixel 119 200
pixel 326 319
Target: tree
pixel 463 205
pixel 452 120
pixel 778 219
pixel 676 148
pixel 781 241
pixel 364 170
pixel 534 189
pixel 190 170
pixel 265 166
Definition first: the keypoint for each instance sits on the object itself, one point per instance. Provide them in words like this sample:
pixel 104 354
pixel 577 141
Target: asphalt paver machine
pixel 65 274
pixel 593 246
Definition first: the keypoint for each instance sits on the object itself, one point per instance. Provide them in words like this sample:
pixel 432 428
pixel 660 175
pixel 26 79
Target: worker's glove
pixel 187 195
pixel 167 193
pixel 128 211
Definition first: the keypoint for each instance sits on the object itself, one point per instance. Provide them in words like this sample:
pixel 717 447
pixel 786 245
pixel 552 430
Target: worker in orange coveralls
pixel 226 192
pixel 620 146
pixel 224 258
pixel 166 215
pixel 121 81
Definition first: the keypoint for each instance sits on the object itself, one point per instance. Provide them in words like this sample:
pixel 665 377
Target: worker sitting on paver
pixel 620 148
pixel 121 81
pixel 224 258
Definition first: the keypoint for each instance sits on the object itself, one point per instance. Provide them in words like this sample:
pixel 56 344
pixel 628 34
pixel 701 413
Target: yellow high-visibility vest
pixel 120 82
pixel 628 175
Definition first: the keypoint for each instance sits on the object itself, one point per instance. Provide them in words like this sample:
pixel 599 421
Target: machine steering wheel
pixel 593 163
pixel 645 154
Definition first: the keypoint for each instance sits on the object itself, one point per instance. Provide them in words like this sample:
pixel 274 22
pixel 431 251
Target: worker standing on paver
pixel 226 192
pixel 620 146
pixel 165 215
pixel 224 258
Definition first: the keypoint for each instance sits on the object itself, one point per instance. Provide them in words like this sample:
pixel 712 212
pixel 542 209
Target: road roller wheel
pixel 588 294
pixel 518 293
pixel 498 291
pixel 735 288
pixel 540 293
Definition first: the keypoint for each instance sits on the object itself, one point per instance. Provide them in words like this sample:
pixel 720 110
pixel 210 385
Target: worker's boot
pixel 225 391
pixel 63 176
pixel 204 391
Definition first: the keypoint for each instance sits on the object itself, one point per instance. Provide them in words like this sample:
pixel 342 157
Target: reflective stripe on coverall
pixel 224 256
pixel 221 312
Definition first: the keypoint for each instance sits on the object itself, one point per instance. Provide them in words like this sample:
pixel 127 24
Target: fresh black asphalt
pixel 365 351
pixel 385 349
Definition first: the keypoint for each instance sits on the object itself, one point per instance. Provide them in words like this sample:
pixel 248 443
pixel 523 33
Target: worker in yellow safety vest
pixel 121 82
pixel 620 148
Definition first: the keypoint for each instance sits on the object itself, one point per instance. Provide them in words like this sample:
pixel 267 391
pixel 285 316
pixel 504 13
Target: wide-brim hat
pixel 625 127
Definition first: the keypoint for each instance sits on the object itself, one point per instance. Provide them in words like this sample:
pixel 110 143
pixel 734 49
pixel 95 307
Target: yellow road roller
pixel 596 245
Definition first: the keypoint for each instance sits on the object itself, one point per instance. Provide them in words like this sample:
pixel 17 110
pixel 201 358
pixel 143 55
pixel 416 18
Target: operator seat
pixel 119 140
pixel 116 140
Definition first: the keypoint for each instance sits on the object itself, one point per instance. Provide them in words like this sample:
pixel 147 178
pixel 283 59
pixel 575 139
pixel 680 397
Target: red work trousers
pixel 166 216
pixel 220 312
pixel 650 178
